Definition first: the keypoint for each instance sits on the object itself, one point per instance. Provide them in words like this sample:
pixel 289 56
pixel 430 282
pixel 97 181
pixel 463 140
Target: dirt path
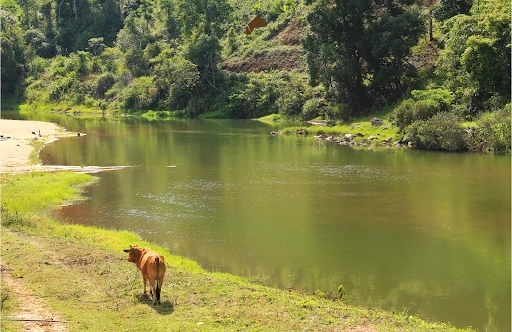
pixel 34 313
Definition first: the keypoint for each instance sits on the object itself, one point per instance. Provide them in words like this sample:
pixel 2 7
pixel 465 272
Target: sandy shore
pixel 16 137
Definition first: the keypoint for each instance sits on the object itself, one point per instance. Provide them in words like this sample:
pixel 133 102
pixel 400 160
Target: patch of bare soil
pixel 34 313
pixel 277 61
pixel 287 59
pixel 291 35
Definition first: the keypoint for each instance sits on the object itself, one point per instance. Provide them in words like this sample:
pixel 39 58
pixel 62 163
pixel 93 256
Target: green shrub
pixel 439 95
pixel 103 84
pixel 314 107
pixel 423 105
pixel 91 102
pixel 341 112
pixel 410 111
pixel 258 97
pixel 292 95
pixel 310 109
pixel 492 133
pixel 403 114
pixel 141 95
pixel 441 132
pixel 60 88
pixel 425 109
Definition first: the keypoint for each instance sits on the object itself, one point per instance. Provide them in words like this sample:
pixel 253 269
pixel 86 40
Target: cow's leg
pixel 144 284
pixel 153 292
pixel 158 289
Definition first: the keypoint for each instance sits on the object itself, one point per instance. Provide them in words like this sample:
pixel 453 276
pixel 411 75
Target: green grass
pixel 61 108
pixel 34 155
pixel 84 276
pixel 364 127
pixel 214 115
pixel 37 191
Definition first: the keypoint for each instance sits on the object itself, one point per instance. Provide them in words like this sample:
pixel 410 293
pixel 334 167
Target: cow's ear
pixel 126 250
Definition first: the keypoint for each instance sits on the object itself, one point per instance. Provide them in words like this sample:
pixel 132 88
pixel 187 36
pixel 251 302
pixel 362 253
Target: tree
pixel 445 9
pixel 205 53
pixel 171 25
pixel 134 35
pixel 12 53
pixel 203 25
pixel 49 31
pixel 37 40
pixel 390 39
pixel 475 63
pixel 358 49
pixel 30 11
pixel 204 16
pixel 77 21
pixel 107 20
pixel 175 78
pixel 96 45
pixel 480 61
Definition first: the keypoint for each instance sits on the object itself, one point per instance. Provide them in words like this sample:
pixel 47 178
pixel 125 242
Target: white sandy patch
pixel 15 139
pixel 15 148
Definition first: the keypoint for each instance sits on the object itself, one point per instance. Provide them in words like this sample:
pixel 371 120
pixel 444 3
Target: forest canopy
pixel 316 58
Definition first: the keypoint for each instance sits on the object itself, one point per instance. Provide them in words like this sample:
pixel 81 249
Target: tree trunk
pixel 431 34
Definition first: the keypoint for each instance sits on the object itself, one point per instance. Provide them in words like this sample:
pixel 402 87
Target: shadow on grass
pixel 165 308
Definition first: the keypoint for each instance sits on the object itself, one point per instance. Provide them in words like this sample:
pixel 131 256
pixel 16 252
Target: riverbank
pixel 21 142
pixel 81 276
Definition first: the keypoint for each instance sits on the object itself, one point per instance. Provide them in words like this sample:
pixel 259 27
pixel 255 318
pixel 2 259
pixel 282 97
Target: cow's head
pixel 133 253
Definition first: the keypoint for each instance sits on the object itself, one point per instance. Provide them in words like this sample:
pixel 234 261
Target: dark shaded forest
pixel 439 70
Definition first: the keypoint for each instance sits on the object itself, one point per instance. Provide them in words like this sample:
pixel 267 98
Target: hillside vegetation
pixel 440 74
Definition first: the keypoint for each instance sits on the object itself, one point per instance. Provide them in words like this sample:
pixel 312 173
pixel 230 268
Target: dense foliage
pixel 316 58
pixel 358 49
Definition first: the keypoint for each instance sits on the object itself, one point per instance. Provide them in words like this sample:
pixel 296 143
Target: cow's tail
pixel 157 281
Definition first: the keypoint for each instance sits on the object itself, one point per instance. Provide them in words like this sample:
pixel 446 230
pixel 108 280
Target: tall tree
pixel 77 21
pixel 204 16
pixel 175 78
pixel 12 52
pixel 49 31
pixel 445 9
pixel 204 24
pixel 205 53
pixel 475 63
pixel 357 48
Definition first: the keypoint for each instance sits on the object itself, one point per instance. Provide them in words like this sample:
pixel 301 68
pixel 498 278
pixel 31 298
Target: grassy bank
pixel 361 128
pixel 83 275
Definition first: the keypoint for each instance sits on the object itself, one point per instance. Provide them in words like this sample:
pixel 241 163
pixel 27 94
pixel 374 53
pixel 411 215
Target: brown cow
pixel 256 22
pixel 151 266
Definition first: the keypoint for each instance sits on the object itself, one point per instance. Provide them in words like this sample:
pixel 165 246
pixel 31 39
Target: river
pixel 425 233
